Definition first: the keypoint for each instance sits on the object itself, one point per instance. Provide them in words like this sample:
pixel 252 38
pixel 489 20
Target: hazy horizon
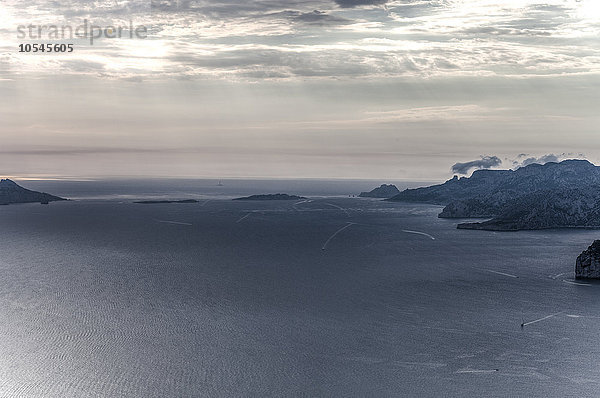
pixel 148 177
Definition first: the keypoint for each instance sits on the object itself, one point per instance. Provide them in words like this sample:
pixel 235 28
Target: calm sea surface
pixel 333 296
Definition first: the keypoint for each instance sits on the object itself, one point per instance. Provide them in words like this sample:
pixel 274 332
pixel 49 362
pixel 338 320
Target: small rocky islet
pixel 272 196
pixel 154 202
pixel 384 191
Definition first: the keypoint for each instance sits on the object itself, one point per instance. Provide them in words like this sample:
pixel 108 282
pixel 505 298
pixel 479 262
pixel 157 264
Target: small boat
pixel 220 184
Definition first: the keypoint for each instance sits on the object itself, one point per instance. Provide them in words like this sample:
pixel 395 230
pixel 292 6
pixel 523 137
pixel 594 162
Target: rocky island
pixel 11 192
pixel 587 265
pixel 553 195
pixel 384 191
pixel 272 196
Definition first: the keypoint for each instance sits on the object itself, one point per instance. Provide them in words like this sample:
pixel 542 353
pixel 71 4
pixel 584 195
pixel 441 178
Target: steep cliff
pixel 487 192
pixel 587 265
pixel 384 191
pixel 568 208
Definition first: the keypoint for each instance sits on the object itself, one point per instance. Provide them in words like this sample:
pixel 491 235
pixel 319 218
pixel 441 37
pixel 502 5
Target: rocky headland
pixel 384 191
pixel 11 192
pixel 553 195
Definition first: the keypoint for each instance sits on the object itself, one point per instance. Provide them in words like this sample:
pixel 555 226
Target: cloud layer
pixel 299 39
pixel 486 162
pixel 525 159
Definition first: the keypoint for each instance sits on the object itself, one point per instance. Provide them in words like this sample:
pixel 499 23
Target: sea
pixel 328 296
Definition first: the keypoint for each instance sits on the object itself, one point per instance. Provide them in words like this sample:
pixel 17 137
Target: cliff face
pixel 384 191
pixel 587 265
pixel 470 208
pixel 547 209
pixel 554 195
pixel 11 192
pixel 486 192
pixel 480 182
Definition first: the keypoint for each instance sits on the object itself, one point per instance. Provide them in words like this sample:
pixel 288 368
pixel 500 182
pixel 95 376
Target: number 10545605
pixel 45 48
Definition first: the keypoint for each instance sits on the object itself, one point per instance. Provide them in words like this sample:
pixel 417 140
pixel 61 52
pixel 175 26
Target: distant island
pixel 553 195
pixel 384 191
pixel 272 196
pixel 153 202
pixel 11 192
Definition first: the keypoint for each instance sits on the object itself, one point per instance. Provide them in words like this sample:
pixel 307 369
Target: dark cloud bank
pixel 485 162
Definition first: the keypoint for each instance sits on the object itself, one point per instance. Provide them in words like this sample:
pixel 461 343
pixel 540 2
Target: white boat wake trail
pixel 418 233
pixel 302 201
pixel 542 319
pixel 477 371
pixel 299 203
pixel 243 218
pixel 557 275
pixel 576 283
pixel 173 222
pixel 502 273
pixel 337 232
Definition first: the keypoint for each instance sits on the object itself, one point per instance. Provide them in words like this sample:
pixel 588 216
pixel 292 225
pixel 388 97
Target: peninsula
pixel 553 195
pixel 11 192
pixel 384 191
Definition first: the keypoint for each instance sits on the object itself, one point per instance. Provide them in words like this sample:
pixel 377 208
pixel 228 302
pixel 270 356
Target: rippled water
pixel 223 298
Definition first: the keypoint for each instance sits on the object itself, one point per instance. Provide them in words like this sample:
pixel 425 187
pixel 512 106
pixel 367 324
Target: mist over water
pixel 226 298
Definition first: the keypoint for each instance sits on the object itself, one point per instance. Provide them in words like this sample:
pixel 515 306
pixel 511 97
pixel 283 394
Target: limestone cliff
pixel 588 263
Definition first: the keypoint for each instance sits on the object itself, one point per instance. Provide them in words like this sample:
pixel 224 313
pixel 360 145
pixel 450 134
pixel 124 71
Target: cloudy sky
pixel 300 88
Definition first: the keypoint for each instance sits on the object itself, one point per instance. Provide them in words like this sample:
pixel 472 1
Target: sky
pixel 375 89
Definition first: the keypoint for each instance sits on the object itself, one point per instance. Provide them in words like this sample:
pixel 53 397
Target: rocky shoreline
pixel 587 265
pixel 553 195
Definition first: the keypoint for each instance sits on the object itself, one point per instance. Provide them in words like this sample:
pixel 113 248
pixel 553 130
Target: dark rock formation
pixel 384 191
pixel 480 182
pixel 553 195
pixel 469 208
pixel 11 192
pixel 275 196
pixel 570 208
pixel 488 191
pixel 587 265
pixel 152 202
